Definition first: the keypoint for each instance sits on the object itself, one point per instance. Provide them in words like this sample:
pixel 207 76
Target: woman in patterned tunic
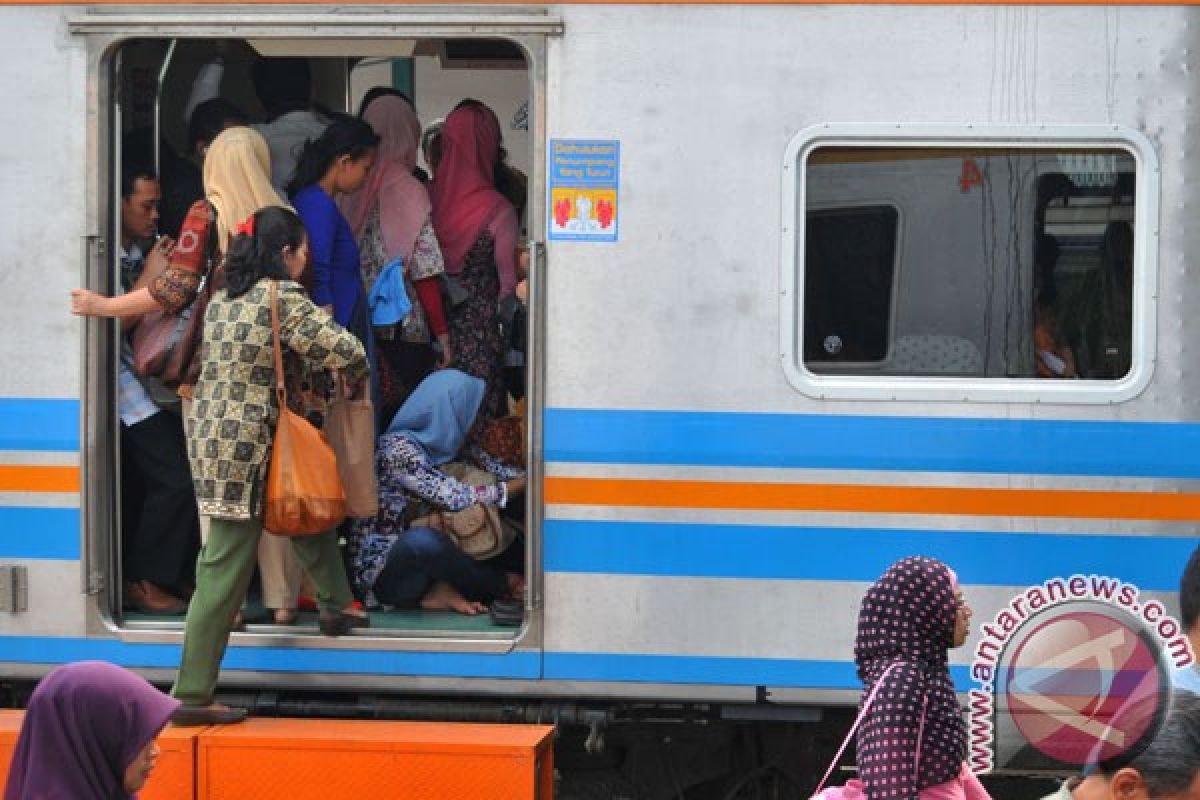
pixel 397 566
pixel 909 619
pixel 390 215
pixel 230 426
pixel 477 230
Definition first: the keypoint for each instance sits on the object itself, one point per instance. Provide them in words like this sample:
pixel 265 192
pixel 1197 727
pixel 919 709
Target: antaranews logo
pixel 1072 671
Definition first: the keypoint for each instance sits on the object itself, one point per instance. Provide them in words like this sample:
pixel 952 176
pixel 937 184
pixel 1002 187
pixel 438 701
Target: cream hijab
pixel 237 179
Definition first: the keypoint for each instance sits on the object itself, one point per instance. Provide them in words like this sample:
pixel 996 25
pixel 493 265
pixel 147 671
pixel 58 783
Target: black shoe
pixel 508 613
pixel 339 623
pixel 191 716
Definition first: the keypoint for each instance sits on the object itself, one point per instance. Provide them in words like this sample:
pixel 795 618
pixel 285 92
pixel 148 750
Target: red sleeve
pixel 506 231
pixel 176 287
pixel 429 292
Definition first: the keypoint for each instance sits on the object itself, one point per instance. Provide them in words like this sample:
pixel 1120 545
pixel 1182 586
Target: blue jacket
pixel 337 277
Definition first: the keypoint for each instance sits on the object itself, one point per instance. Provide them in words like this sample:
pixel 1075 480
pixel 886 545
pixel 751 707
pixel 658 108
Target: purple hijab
pixel 907 617
pixel 85 724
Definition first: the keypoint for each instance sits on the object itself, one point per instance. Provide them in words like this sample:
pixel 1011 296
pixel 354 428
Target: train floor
pixel 391 622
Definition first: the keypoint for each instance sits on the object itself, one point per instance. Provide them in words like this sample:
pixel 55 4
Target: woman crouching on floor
pixel 396 563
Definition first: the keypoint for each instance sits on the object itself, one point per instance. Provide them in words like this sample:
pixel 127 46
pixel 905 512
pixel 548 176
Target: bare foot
pixel 286 616
pixel 444 597
pixel 516 584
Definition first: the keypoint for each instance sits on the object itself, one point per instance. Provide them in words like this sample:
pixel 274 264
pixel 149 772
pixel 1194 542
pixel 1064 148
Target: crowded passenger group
pixel 313 240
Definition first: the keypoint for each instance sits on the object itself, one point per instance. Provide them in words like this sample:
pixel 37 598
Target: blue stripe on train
pixel 39 424
pixel 59 650
pixel 855 554
pixel 923 444
pixel 619 667
pixel 49 533
pixel 760 552
pixel 712 670
pixel 1038 447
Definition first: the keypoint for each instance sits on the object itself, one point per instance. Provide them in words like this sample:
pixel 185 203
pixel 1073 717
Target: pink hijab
pixel 464 195
pixel 402 200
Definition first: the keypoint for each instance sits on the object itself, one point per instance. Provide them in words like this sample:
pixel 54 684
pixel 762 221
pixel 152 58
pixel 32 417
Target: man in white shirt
pixel 160 524
pixel 284 87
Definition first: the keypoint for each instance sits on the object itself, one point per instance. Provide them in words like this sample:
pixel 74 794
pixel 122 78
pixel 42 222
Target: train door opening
pixel 154 86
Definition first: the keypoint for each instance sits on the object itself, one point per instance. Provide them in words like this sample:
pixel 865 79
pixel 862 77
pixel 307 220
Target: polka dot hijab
pixel 907 616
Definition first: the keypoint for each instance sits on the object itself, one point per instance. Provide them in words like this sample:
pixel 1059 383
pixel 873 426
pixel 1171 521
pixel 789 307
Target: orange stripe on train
pixel 1073 503
pixel 39 479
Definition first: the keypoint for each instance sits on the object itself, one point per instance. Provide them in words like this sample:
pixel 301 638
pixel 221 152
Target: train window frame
pixel 838 385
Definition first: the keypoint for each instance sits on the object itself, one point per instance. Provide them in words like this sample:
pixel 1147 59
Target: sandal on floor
pixel 215 714
pixel 508 613
pixel 340 623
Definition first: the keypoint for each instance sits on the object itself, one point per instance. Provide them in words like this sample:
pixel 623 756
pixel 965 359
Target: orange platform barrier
pixel 10 727
pixel 294 759
pixel 356 759
pixel 173 778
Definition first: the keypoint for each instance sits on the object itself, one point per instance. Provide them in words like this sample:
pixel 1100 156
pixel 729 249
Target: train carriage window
pixel 932 270
pixel 848 288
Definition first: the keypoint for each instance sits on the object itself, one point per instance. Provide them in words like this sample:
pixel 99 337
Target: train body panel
pixel 703 526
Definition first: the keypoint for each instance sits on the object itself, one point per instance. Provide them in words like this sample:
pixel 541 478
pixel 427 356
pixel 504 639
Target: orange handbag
pixel 304 493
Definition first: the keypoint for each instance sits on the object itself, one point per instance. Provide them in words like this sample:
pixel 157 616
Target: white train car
pixel 795 330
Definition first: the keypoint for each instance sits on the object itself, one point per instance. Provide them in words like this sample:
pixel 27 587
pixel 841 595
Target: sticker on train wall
pixel 584 178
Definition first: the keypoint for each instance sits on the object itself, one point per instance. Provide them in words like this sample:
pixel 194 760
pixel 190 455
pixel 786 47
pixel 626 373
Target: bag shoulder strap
pixel 280 387
pixel 920 737
pixel 862 715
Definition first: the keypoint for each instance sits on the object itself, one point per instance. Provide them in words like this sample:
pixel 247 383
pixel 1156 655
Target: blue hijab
pixel 439 413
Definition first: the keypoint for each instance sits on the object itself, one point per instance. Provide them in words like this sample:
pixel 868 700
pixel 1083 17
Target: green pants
pixel 223 572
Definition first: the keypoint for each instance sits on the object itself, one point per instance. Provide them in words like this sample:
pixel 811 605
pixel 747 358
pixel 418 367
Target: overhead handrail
pixel 162 76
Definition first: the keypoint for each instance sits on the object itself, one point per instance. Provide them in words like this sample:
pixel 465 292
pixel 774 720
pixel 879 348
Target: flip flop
pixel 507 613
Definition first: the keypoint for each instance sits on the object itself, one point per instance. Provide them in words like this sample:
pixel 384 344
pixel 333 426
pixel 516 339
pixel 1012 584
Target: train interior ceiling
pixel 435 73
pixel 154 78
